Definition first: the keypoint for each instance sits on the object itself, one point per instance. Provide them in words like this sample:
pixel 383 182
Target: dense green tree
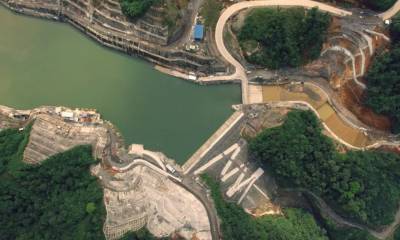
pixel 142 234
pixel 397 234
pixel 395 29
pixel 58 199
pixel 136 8
pixel 12 143
pixel 376 5
pixel 354 183
pixel 236 224
pixel 383 92
pixel 383 79
pixel 345 233
pixel 296 224
pixel 285 37
pixel 379 5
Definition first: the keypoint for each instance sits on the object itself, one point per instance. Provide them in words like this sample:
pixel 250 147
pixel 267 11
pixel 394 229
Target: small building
pixel 67 115
pixel 198 32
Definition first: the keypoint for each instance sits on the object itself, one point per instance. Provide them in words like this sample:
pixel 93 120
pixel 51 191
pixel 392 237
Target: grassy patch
pixel 210 11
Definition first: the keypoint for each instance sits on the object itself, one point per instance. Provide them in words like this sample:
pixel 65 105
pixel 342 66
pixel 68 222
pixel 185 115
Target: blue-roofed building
pixel 198 32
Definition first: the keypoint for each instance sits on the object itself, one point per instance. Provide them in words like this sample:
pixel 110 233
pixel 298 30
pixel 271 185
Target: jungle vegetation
pixel 376 5
pixel 136 8
pixel 339 232
pixel 57 199
pixel 277 38
pixel 359 185
pixel 142 234
pixel 236 224
pixel 379 5
pixel 383 79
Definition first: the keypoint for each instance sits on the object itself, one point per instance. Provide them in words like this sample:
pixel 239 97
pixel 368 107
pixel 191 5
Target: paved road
pixel 326 209
pixel 240 72
pixel 190 185
pixel 391 12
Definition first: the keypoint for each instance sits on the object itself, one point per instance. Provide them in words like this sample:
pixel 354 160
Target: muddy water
pixel 49 63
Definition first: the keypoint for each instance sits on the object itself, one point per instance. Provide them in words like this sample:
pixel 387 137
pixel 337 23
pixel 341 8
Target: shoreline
pixel 56 129
pixel 173 62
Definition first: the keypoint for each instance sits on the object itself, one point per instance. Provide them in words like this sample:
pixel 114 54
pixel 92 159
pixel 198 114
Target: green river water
pixel 49 63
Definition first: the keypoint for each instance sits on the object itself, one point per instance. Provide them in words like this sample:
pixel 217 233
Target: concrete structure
pixel 140 193
pixel 240 72
pixel 224 156
pixel 106 24
pixel 141 188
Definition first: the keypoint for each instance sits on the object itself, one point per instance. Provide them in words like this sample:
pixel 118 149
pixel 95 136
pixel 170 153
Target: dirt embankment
pixel 353 98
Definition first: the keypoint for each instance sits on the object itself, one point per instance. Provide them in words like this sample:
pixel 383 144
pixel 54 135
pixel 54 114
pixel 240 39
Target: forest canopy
pixel 360 185
pixel 383 79
pixel 277 38
pixel 136 8
pixel 142 234
pixel 379 5
pixel 236 224
pixel 376 5
pixel 58 199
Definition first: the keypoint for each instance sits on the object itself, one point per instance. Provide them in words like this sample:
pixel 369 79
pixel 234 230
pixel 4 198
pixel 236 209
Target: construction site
pixel 332 85
pixel 141 188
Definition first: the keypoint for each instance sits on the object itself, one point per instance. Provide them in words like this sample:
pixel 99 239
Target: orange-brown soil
pixel 352 98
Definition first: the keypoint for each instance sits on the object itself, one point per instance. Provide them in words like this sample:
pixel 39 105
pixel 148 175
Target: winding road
pixel 391 12
pixel 240 71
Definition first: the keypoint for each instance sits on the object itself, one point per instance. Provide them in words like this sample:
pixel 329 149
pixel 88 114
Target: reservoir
pixel 49 63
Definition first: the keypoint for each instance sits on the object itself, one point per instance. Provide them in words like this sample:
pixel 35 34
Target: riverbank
pixel 48 63
pixel 140 45
pixel 131 204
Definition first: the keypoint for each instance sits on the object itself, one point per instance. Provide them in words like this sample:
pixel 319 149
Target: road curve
pixel 391 12
pixel 240 72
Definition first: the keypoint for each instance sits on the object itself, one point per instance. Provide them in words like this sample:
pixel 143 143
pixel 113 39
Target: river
pixel 50 63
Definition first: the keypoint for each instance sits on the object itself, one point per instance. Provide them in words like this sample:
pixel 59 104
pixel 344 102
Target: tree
pixel 395 29
pixel 285 37
pixel 383 78
pixel 58 199
pixel 354 183
pixel 383 92
pixel 236 224
pixel 379 5
pixel 136 8
pixel 12 144
pixel 142 234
